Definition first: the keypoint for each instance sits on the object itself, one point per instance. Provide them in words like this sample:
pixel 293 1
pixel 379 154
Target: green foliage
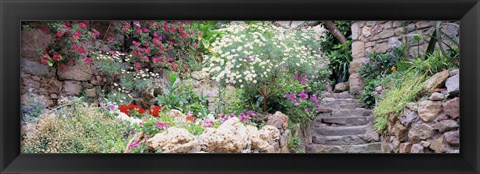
pixel 207 33
pixel 340 55
pixel 78 129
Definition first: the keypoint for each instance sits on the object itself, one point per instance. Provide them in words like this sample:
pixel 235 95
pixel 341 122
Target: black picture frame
pixel 12 12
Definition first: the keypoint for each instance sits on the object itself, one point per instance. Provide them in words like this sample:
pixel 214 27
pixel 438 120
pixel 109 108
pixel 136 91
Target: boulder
pixel 81 71
pixel 230 137
pixel 36 68
pixel 412 106
pixel 173 140
pixel 436 96
pixel 340 87
pixel 31 84
pixel 72 88
pixel 92 92
pixel 429 110
pixel 436 80
pixel 417 148
pixel 408 117
pixel 405 148
pixel 32 41
pixel 400 131
pixel 278 120
pixel 358 49
pixel 452 107
pixel 453 85
pixel 420 131
pixel 438 145
pixel 453 138
pixel 446 125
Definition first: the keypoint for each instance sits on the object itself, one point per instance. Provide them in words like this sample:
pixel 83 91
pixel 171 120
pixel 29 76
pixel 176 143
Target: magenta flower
pixel 133 145
pixel 161 124
pixel 83 25
pixel 290 96
pixel 242 116
pixel 314 98
pixel 77 35
pixel 88 60
pixel 303 82
pixel 303 95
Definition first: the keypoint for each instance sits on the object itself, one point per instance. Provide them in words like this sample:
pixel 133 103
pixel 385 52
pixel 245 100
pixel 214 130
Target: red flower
pixel 124 109
pixel 71 63
pixel 63 67
pixel 44 61
pixel 77 35
pixel 59 33
pixel 57 57
pixel 88 60
pixel 141 111
pixel 155 111
pixel 111 39
pixel 138 64
pixel 83 25
pixel 132 106
pixel 138 30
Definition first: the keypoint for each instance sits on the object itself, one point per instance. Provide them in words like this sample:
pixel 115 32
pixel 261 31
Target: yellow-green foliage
pixel 78 129
pixel 397 97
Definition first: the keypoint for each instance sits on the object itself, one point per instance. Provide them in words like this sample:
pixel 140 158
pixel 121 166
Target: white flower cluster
pixel 250 53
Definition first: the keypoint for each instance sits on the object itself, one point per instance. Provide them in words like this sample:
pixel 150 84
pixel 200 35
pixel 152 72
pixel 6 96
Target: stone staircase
pixel 342 126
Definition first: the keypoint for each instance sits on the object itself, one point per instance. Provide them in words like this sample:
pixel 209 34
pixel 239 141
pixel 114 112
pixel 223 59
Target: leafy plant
pixel 340 55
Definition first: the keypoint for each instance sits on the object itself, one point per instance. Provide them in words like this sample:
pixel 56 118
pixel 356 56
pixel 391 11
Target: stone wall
pixel 430 125
pixel 382 36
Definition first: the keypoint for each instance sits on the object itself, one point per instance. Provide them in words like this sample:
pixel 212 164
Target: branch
pixel 335 32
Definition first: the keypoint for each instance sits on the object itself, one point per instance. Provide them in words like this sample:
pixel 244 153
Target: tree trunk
pixel 335 32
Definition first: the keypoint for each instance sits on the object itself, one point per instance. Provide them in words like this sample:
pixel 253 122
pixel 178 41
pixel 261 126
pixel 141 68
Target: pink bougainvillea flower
pixel 59 33
pixel 138 64
pixel 88 60
pixel 195 45
pixel 317 105
pixel 82 25
pixel 303 82
pixel 71 62
pixel 303 95
pixel 306 110
pixel 157 59
pixel 57 57
pixel 77 35
pixel 161 124
pixel 146 30
pixel 133 145
pixel 111 39
pixel 43 61
pixel 136 44
pixel 138 31
pixel 63 67
pixel 136 23
pixel 314 98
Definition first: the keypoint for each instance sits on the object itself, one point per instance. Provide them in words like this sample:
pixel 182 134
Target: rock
pixel 31 41
pixel 381 48
pixel 399 31
pixel 446 125
pixel 356 64
pixel 417 148
pixel 173 140
pixel 269 133
pixel 410 27
pixel 420 131
pixel 395 143
pixel 429 110
pixel 452 107
pixel 379 89
pixel 405 148
pixel 392 118
pixel 453 138
pixel 425 143
pixel 72 88
pixel 31 84
pixel 397 23
pixel 386 34
pixel 340 87
pixel 199 75
pixel 355 81
pixel 408 117
pixel 436 80
pixel 79 72
pixel 53 96
pixel 453 85
pixel 393 42
pixel 453 72
pixel 358 49
pixel 422 24
pixel 278 120
pixel 36 68
pixel 176 113
pixel 230 137
pixel 412 106
pixel 400 131
pixel 355 31
pixel 436 96
pixel 91 92
pixel 367 31
pixel 96 80
pixel 438 145
pixel 257 143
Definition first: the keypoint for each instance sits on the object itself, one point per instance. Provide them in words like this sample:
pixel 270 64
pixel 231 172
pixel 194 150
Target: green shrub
pixel 339 55
pixel 33 107
pixel 78 129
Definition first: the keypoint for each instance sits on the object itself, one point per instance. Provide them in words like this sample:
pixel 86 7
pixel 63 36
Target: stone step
pixel 336 104
pixel 349 120
pixel 329 130
pixel 360 148
pixel 346 112
pixel 341 140
pixel 344 94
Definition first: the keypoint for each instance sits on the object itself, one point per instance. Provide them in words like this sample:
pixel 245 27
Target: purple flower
pixel 208 123
pixel 242 116
pixel 317 105
pixel 251 113
pixel 290 96
pixel 133 145
pixel 306 110
pixel 303 82
pixel 161 124
pixel 296 103
pixel 112 107
pixel 303 95
pixel 132 131
pixel 357 91
pixel 232 115
pixel 314 98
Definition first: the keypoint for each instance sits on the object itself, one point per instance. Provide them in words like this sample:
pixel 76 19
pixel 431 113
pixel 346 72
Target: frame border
pixel 12 12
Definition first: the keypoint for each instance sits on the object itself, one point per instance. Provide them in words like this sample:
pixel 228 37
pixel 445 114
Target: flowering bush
pixel 72 40
pixel 262 56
